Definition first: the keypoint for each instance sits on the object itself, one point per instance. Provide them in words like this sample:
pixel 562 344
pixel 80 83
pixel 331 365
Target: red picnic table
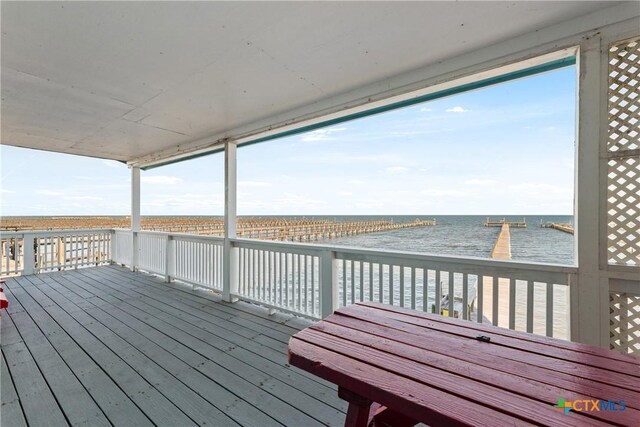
pixel 399 367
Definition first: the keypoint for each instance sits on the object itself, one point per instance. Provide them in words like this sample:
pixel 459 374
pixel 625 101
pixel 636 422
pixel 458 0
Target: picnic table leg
pixel 358 411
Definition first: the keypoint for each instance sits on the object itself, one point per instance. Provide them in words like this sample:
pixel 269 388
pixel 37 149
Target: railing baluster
pixel 413 288
pixel 380 283
pixel 361 281
pixel 285 278
pixel 549 312
pixel 391 290
pixel 512 303
pixel 438 293
pixel 306 284
pixel 495 304
pixel 353 282
pixel 480 298
pixel 425 290
pixel 344 282
pixel 401 268
pixel 529 306
pixel 370 282
pixel 465 296
pixel 314 311
pixel 451 295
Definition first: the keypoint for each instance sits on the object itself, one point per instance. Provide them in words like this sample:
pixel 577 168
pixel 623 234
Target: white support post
pixel 169 262
pixel 230 254
pixel 589 320
pixel 328 283
pixel 135 215
pixel 28 255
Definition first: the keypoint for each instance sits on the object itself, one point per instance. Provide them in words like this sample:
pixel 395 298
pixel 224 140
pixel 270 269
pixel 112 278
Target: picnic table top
pixel 438 370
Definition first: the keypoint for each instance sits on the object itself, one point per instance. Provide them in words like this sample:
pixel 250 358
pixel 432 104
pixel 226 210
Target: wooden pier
pixel 502 246
pixel 499 223
pixel 283 229
pixel 567 228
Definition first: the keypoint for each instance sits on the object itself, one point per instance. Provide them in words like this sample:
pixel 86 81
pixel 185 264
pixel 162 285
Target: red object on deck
pixel 4 302
pixel 441 371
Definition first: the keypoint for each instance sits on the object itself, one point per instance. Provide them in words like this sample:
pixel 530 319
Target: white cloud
pixel 346 193
pixel 254 184
pixel 355 182
pixel 83 198
pixel 456 109
pixel 161 180
pixel 477 181
pixel 321 134
pixel 49 193
pixel 5 191
pixel 396 169
pixel 425 109
pixel 443 193
pixel 535 188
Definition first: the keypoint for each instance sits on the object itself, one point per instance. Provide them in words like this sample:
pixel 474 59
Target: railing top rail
pixel 346 252
pixel 53 233
pixel 177 236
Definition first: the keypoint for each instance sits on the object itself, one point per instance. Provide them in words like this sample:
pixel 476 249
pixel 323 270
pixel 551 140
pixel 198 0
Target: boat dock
pixel 567 228
pixel 499 223
pixel 283 229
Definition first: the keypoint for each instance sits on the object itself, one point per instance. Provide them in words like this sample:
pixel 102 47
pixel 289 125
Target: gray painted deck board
pixel 205 306
pixel 171 355
pixel 11 414
pixel 156 302
pixel 40 407
pixel 275 386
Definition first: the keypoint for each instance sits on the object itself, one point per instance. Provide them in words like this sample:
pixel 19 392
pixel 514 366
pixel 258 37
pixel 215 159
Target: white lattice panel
pixel 623 211
pixel 623 142
pixel 624 320
pixel 624 101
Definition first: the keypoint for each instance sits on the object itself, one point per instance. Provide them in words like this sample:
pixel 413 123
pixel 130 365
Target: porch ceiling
pixel 124 80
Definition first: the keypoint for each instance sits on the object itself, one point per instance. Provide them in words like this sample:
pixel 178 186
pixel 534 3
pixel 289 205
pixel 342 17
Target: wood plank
pixel 275 386
pixel 275 330
pixel 287 323
pixel 470 351
pixel 468 371
pixel 553 365
pixel 157 407
pixel 286 394
pixel 38 403
pixel 180 395
pixel 603 369
pixel 531 338
pixel 74 400
pixel 451 384
pixel 419 401
pixel 189 401
pixel 12 415
pixel 115 404
pixel 221 329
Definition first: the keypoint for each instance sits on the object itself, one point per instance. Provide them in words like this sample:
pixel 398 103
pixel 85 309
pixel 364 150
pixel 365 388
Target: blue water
pixel 465 235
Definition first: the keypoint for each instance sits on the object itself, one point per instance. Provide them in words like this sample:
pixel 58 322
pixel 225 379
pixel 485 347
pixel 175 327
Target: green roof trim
pixel 537 69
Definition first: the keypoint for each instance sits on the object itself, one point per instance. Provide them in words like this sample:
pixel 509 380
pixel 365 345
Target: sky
pixel 503 150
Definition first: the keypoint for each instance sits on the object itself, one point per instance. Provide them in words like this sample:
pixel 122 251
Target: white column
pixel 328 283
pixel 589 317
pixel 135 215
pixel 229 255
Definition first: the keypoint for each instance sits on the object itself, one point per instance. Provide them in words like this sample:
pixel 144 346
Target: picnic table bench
pixel 399 367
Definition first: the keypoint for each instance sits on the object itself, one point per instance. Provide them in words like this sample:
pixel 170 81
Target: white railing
pixel 121 247
pixel 314 280
pixel 281 275
pixel 190 258
pixel 41 251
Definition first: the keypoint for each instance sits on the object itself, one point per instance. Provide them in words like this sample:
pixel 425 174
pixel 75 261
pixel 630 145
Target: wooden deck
pixel 105 346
